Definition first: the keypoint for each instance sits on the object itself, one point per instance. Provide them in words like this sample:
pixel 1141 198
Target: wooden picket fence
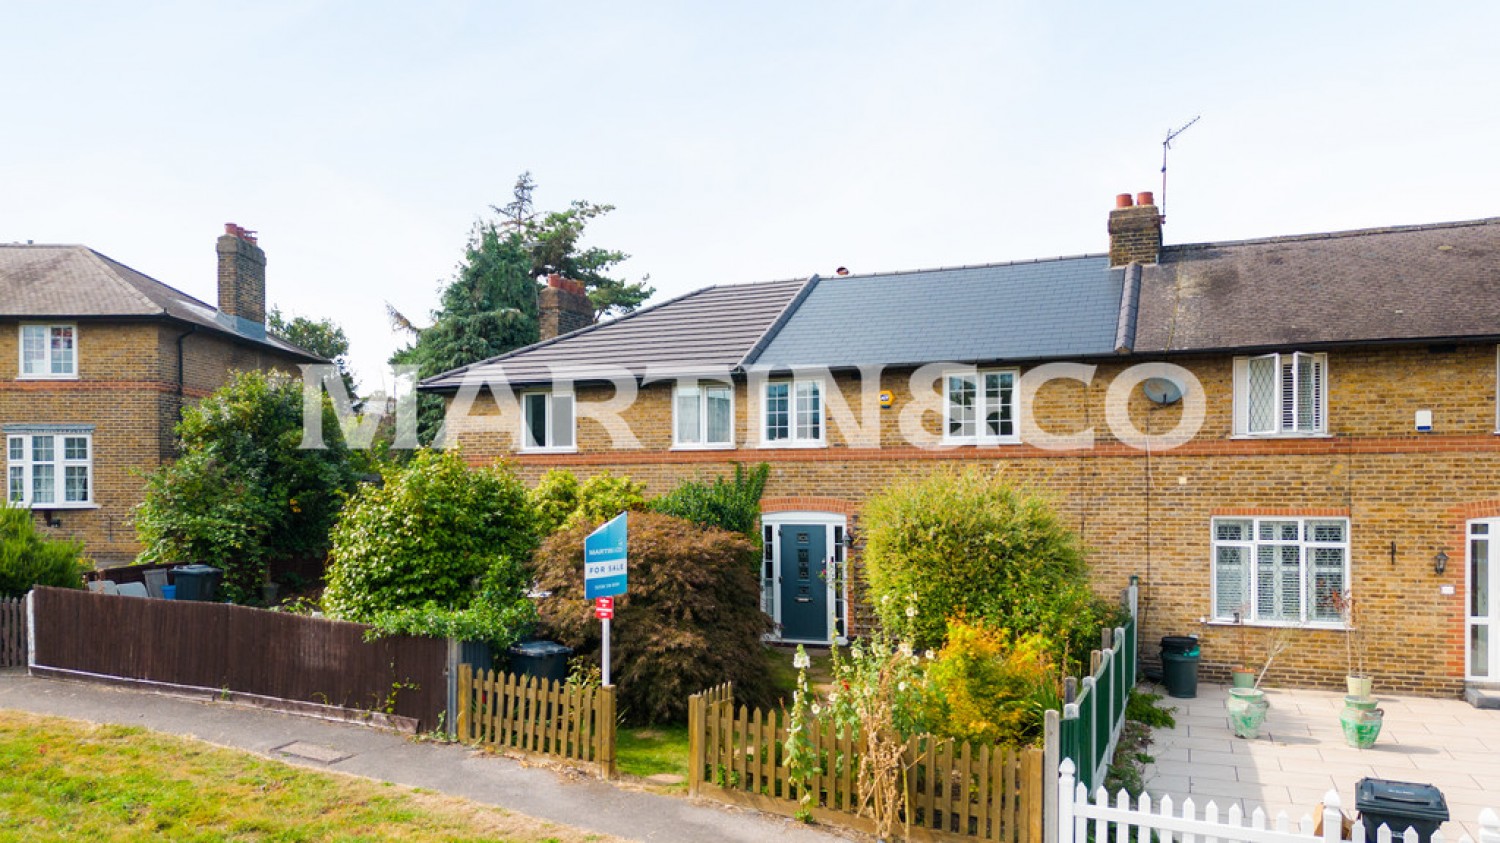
pixel 12 633
pixel 537 716
pixel 953 792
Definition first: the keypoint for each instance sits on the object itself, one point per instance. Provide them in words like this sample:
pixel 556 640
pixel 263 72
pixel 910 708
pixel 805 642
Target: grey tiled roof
pixel 1423 282
pixel 66 282
pixel 705 331
pixel 1014 311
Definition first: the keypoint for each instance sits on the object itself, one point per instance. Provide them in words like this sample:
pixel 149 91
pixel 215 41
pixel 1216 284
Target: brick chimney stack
pixel 1134 230
pixel 563 306
pixel 242 275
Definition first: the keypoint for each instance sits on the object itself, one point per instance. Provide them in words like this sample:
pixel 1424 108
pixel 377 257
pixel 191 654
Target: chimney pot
pixel 1134 230
pixel 1122 200
pixel 1145 197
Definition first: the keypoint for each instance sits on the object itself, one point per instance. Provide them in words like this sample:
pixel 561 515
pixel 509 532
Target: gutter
pixel 181 379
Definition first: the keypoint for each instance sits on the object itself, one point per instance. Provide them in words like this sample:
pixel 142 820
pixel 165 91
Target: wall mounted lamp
pixel 1440 563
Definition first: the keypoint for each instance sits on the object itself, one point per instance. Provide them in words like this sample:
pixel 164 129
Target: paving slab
pixel 1301 754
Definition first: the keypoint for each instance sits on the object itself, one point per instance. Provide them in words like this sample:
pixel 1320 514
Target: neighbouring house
pixel 1252 427
pixel 98 360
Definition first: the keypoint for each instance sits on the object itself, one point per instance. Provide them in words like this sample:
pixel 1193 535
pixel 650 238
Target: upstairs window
pixel 1279 570
pixel 980 408
pixel 47 470
pixel 49 351
pixel 703 415
pixel 547 422
pixel 793 413
pixel 1281 395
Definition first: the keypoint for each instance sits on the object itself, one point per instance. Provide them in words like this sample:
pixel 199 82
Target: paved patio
pixel 1301 754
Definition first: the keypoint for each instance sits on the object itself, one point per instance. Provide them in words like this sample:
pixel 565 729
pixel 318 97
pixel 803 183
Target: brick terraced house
pixel 97 361
pixel 1252 427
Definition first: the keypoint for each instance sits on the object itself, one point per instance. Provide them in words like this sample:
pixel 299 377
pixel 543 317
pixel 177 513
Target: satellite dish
pixel 1163 391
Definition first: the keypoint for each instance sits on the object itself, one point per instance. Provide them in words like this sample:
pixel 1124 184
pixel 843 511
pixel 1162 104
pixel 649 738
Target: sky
pixel 739 142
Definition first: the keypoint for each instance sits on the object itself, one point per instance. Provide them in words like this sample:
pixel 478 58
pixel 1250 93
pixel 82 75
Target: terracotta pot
pixel 1242 677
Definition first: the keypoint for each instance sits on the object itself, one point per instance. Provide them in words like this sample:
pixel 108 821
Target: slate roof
pixel 1412 283
pixel 68 282
pixel 712 329
pixel 1063 307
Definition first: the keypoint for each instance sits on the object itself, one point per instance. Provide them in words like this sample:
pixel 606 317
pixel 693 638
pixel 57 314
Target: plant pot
pixel 1361 721
pixel 1359 686
pixel 1242 677
pixel 1247 711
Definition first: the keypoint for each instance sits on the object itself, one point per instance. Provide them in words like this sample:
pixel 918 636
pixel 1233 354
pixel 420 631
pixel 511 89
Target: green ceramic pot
pixel 1247 711
pixel 1361 720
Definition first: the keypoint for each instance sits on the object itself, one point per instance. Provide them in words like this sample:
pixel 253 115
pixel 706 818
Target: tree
pixel 322 337
pixel 243 492
pixel 437 548
pixel 490 306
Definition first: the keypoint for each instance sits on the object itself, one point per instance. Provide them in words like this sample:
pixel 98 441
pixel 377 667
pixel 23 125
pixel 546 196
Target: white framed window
pixel 49 467
pixel 547 421
pixel 703 415
pixel 1279 570
pixel 1281 394
pixel 792 413
pixel 49 351
pixel 979 408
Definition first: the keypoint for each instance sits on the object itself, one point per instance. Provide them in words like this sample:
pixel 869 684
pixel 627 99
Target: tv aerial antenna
pixel 1166 145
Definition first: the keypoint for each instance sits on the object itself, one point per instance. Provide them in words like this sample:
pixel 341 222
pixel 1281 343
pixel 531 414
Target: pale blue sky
pixel 740 142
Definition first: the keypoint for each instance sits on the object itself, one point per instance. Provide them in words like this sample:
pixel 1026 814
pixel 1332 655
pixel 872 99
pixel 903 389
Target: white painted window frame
pixel 981 408
pixel 793 440
pixel 1279 361
pixel 552 399
pixel 25 436
pixel 702 387
pixel 47 375
pixel 828 520
pixel 1305 546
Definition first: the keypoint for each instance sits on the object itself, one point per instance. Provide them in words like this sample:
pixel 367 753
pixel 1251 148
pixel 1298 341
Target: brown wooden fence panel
pixel 953 791
pixel 237 649
pixel 12 633
pixel 538 716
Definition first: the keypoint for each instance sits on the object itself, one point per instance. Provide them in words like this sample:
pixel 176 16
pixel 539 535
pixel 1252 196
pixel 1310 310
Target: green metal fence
pixel 1088 727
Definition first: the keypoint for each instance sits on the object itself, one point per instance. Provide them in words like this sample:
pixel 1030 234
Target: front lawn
pixel 653 751
pixel 70 780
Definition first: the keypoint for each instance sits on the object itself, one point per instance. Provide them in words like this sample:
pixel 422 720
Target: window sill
pixel 54 507
pixel 46 377
pixel 719 446
pixel 782 444
pixel 981 443
pixel 1281 436
pixel 572 450
pixel 1321 626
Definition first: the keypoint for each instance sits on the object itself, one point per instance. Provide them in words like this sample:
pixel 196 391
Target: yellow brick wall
pixel 127 389
pixel 1150 515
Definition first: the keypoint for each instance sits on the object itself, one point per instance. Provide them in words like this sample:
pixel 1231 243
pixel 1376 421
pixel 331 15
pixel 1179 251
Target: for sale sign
pixel 604 560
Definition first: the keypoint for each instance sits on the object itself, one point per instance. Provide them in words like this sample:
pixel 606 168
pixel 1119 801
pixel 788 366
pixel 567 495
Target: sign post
pixel 604 575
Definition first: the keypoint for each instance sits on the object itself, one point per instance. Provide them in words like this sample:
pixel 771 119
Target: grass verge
pixel 70 780
pixel 653 751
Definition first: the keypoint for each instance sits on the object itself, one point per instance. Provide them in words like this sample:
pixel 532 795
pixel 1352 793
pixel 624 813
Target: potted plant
pixel 1358 679
pixel 1248 706
pixel 1240 674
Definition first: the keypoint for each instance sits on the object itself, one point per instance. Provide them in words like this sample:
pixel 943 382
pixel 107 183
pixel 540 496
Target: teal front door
pixel 804 582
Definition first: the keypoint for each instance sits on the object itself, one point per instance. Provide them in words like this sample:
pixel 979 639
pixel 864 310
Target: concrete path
pixel 580 801
pixel 1301 754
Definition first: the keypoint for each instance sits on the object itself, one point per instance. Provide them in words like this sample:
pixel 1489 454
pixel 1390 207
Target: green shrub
pixel 434 539
pixel 691 619
pixel 28 558
pixel 729 504
pixel 244 491
pixel 560 501
pixel 553 500
pixel 987 686
pixel 966 544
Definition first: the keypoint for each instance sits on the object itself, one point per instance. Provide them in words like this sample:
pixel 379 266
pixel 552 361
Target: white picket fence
pixel 1165 819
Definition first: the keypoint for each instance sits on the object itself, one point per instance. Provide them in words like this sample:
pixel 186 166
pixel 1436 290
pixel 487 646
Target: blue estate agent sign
pixel 604 560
